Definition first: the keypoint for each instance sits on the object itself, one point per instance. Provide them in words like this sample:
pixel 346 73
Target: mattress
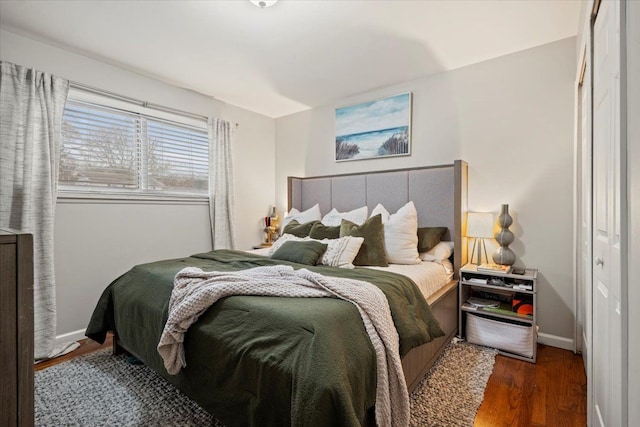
pixel 430 277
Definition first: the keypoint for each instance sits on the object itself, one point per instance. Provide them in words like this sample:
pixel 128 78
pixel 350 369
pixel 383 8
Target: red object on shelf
pixel 523 306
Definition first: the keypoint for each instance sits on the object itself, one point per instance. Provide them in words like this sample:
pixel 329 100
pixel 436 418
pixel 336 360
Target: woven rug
pixel 103 390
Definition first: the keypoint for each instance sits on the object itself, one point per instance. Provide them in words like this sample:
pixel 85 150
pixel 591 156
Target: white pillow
pixel 438 253
pixel 281 240
pixel 379 209
pixel 340 252
pixel 400 234
pixel 357 216
pixel 311 214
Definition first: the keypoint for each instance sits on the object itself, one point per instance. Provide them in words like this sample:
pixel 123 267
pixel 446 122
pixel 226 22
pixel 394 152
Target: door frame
pixel 578 199
pixel 583 284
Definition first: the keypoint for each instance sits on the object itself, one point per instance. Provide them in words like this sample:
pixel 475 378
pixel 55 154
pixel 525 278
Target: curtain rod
pixel 137 101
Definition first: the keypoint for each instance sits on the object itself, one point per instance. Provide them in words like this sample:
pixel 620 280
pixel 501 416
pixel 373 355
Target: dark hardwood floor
pixel 86 346
pixel 552 392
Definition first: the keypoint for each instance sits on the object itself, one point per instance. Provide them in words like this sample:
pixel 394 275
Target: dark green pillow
pixel 429 237
pixel 301 252
pixel 297 229
pixel 372 249
pixel 320 231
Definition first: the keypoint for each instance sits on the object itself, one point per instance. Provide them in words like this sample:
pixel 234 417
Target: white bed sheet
pixel 261 251
pixel 428 276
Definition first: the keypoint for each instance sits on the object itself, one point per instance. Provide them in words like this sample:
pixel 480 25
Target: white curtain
pixel 221 208
pixel 31 108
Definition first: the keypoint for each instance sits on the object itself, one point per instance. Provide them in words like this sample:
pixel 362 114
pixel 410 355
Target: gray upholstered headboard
pixel 439 193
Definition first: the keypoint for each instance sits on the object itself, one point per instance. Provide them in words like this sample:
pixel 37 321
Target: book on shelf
pixel 480 302
pixel 494 295
pixel 495 268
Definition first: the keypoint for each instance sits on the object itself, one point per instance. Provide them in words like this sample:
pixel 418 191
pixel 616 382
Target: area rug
pixel 102 390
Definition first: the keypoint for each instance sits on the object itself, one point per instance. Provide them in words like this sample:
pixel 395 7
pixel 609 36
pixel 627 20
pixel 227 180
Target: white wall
pixel 511 119
pixel 96 242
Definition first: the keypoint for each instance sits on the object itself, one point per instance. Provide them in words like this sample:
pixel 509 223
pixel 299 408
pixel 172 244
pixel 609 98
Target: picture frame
pixel 374 129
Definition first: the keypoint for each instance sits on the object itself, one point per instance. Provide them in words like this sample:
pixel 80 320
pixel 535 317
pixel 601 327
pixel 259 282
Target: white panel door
pixel 607 381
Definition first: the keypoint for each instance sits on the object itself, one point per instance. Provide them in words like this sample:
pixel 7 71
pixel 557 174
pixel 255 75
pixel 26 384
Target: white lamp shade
pixel 480 224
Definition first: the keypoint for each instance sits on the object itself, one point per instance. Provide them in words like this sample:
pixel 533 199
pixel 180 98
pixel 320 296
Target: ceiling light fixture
pixel 264 3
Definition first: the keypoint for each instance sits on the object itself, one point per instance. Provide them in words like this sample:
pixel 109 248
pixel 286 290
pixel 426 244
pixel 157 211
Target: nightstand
pixel 262 246
pixel 499 310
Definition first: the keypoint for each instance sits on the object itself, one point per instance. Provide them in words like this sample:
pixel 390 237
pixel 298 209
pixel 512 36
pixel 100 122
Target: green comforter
pixel 265 361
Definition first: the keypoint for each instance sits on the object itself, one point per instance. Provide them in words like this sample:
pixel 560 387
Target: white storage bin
pixel 517 339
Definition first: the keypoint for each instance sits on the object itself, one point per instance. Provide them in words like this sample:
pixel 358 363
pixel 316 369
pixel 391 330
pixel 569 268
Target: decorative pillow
pixel 372 249
pixel 340 252
pixel 400 234
pixel 439 252
pixel 320 231
pixel 428 237
pixel 307 252
pixel 311 214
pixel 380 210
pixel 299 230
pixel 334 217
pixel 281 241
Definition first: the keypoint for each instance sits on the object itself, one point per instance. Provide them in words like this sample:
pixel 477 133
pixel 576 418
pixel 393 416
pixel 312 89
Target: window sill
pixel 69 197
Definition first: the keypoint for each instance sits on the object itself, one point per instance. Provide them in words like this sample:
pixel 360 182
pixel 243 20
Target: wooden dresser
pixel 16 332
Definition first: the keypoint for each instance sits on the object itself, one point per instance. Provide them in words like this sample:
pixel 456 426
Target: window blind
pixel 109 150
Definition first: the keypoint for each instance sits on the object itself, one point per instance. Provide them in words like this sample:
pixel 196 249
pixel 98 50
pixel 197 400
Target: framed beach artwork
pixel 374 129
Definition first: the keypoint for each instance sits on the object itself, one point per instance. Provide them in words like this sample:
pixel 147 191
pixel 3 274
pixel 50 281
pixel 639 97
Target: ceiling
pixel 296 54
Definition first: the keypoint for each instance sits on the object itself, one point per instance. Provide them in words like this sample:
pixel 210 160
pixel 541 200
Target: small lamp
pixel 479 226
pixel 272 226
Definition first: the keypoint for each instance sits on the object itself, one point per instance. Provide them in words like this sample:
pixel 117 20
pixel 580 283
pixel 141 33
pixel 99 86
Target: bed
pixel 440 196
pixel 303 361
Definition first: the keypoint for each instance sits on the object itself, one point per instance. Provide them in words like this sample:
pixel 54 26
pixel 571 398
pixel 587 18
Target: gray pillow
pixel 372 249
pixel 308 253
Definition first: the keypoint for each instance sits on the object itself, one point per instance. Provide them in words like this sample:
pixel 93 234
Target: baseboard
pixel 556 341
pixel 70 336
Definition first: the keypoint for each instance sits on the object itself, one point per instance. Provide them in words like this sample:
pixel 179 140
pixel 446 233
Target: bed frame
pixel 440 196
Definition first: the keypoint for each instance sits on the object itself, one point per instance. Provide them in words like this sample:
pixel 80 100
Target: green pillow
pixel 297 229
pixel 308 253
pixel 372 249
pixel 429 237
pixel 320 231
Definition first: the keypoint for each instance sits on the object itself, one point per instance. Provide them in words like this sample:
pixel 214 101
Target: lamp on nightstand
pixel 479 226
pixel 271 226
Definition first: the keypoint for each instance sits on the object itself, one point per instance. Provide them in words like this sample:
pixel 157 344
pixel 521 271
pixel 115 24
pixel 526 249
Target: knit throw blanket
pixel 195 290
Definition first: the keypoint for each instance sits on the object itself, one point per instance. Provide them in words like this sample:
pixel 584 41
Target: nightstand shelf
pixel 494 313
pixel 499 288
pixel 513 334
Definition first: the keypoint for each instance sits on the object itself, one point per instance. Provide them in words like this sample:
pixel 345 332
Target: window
pixel 108 147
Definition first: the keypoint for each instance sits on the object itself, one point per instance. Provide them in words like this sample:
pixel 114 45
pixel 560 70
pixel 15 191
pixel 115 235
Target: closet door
pixel 607 342
pixel 585 207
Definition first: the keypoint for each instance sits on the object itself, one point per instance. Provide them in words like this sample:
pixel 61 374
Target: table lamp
pixel 479 226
